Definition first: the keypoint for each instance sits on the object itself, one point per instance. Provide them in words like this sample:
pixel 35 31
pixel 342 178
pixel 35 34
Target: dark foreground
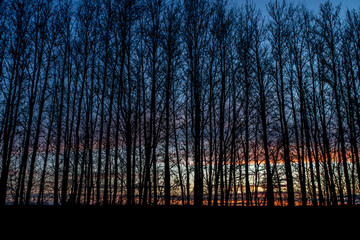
pixel 180 212
pixel 116 209
pixel 181 220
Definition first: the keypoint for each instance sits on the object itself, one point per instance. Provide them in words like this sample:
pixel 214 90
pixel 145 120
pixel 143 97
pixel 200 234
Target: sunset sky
pixel 180 102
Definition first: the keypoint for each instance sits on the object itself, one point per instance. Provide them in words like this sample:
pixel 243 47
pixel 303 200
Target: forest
pixel 191 102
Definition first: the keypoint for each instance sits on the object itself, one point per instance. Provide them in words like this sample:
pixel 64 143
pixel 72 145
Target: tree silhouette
pixel 193 102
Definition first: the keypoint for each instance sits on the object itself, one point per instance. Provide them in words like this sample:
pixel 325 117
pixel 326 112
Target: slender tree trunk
pixel 37 134
pixel 167 135
pixel 187 148
pixel 300 156
pixel 59 124
pixel 327 150
pixel 263 113
pixel 48 143
pixel 316 130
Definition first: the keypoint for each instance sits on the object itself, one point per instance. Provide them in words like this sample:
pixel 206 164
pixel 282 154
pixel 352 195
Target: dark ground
pixel 181 222
pixel 147 213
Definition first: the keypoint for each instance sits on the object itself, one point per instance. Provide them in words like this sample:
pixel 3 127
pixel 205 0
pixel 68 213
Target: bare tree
pixel 196 16
pixel 195 102
pixel 329 31
pixel 278 35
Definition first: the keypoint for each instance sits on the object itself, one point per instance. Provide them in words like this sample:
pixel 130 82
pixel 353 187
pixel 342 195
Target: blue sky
pixel 311 4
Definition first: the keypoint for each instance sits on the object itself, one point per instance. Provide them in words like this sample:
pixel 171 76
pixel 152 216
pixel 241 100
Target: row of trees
pixel 178 102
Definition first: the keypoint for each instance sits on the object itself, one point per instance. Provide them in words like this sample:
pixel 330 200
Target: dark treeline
pixel 165 102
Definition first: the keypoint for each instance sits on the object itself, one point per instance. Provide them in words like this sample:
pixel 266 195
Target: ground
pixel 178 221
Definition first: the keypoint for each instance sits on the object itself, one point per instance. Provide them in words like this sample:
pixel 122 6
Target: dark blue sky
pixel 311 4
